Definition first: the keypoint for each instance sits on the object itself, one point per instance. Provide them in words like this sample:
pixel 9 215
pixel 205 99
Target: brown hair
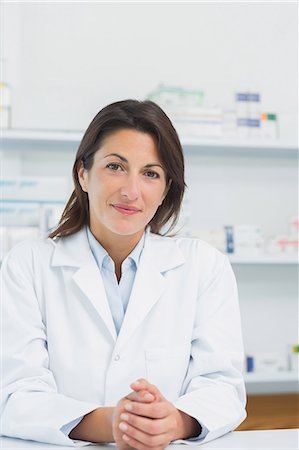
pixel 145 116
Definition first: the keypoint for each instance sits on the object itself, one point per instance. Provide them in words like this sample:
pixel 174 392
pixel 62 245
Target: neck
pixel 118 247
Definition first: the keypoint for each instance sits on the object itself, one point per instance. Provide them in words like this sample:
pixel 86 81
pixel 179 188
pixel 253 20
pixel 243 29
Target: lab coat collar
pixel 159 255
pixel 74 251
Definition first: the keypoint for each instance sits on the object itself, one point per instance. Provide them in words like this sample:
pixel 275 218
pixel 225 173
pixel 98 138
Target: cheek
pixel 98 187
pixel 155 198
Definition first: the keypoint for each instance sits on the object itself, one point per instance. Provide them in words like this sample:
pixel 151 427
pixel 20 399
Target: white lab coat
pixel 63 359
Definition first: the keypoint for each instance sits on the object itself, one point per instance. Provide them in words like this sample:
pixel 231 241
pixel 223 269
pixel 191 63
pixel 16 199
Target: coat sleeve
pixel 214 391
pixel 31 406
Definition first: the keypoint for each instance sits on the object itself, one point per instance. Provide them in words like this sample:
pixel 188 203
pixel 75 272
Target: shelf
pixel 237 143
pixel 271 383
pixel 264 260
pixel 41 135
pixel 277 377
pixel 237 147
pixel 40 139
pixel 69 140
pixel 34 202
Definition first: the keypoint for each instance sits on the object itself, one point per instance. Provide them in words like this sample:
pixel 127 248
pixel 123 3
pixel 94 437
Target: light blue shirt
pixel 118 294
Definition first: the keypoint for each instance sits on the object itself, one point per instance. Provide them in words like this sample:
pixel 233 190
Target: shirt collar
pixel 100 253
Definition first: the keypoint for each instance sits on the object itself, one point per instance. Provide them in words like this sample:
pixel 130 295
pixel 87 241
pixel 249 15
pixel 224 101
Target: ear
pixel 82 177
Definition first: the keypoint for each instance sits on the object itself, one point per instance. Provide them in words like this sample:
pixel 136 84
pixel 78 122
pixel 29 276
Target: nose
pixel 131 188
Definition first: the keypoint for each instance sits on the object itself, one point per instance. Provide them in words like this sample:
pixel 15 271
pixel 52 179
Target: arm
pixel 31 406
pixel 213 389
pixel 95 426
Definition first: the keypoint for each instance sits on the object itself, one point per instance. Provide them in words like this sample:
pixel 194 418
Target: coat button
pixel 116 358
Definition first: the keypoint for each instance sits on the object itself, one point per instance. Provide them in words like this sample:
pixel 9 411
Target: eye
pixel 114 166
pixel 151 174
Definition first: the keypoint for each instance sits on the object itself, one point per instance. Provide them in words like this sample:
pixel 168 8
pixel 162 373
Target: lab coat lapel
pixel 148 287
pixel 159 255
pixel 89 280
pixel 74 251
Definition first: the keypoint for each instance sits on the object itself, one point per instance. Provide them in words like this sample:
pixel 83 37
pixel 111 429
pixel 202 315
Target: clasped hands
pixel 144 420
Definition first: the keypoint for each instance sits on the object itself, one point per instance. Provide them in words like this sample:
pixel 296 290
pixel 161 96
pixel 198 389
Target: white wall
pixel 65 60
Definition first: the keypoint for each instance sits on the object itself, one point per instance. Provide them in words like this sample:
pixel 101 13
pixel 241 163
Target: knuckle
pixel 153 428
pixel 142 393
pixel 153 387
pixel 131 419
pixel 157 409
pixel 131 431
pixel 151 441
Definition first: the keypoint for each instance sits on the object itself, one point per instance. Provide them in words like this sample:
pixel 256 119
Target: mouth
pixel 126 209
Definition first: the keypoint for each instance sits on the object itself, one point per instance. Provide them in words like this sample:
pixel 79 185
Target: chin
pixel 127 230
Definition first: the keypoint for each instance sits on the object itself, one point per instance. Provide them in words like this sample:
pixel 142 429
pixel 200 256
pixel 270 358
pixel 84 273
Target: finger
pixel 138 445
pixel 145 424
pixel 142 438
pixel 143 384
pixel 154 410
pixel 141 396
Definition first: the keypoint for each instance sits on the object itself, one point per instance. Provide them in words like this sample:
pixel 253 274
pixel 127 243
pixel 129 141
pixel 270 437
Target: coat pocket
pixel 166 368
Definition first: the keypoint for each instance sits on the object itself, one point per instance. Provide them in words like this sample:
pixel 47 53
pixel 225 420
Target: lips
pixel 126 209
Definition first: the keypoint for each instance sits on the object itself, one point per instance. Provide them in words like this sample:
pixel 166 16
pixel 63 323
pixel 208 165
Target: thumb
pixel 143 396
pixel 143 384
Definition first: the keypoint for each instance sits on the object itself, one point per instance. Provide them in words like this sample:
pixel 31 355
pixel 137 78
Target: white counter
pixel 239 440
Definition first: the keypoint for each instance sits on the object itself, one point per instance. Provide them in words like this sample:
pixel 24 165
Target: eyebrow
pixel 122 158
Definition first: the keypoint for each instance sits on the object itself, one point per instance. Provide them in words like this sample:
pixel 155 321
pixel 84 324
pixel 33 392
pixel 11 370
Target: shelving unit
pixel 68 141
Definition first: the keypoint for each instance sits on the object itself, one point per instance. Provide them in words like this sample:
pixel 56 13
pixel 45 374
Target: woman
pixel 114 332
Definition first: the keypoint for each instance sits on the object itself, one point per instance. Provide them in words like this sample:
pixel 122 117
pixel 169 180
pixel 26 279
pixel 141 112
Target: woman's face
pixel 126 184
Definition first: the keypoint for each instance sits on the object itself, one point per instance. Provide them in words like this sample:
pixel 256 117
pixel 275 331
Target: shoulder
pixel 28 250
pixel 190 247
pixel 46 246
pixel 198 255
